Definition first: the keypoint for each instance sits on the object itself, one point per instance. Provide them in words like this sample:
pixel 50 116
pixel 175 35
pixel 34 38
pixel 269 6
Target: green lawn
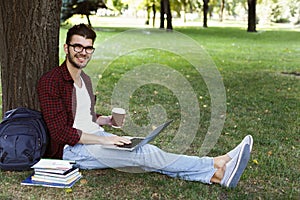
pixel 260 100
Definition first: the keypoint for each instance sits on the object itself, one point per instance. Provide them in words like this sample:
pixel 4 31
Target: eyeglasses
pixel 79 48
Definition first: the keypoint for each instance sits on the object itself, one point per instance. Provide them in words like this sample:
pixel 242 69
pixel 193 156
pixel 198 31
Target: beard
pixel 76 64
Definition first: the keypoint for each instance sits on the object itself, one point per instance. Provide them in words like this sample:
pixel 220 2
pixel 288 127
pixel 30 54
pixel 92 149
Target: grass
pixel 260 101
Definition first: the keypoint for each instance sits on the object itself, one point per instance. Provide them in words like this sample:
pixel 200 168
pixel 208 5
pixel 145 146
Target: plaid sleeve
pixel 56 104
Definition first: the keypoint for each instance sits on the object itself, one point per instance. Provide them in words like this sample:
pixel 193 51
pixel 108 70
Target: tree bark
pixel 205 12
pixel 29 35
pixel 251 16
pixel 222 6
pixel 154 14
pixel 88 18
pixel 165 9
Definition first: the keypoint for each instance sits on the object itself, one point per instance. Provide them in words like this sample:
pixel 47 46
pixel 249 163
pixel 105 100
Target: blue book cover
pixel 29 181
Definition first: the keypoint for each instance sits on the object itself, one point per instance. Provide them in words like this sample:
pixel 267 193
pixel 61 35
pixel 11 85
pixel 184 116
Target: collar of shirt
pixel 65 72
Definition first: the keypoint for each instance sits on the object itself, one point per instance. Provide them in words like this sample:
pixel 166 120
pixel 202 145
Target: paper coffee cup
pixel 118 115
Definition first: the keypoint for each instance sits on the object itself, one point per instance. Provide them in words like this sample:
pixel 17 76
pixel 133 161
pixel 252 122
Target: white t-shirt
pixel 83 118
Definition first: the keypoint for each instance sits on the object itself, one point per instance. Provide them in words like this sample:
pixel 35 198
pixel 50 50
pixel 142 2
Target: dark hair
pixel 83 30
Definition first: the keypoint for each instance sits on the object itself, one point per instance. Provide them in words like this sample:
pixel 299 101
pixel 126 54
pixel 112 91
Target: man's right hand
pixel 87 138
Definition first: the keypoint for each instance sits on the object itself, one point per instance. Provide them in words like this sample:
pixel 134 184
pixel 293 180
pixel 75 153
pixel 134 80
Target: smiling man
pixel 67 103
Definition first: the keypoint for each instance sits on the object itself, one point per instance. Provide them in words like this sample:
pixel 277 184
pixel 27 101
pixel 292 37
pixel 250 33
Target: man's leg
pixel 148 158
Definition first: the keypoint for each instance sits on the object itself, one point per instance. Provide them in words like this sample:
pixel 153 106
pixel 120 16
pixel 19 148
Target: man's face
pixel 76 58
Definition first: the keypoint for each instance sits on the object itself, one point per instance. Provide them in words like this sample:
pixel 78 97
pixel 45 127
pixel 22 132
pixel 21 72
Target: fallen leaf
pixel 83 181
pixel 69 190
pixel 270 153
pixel 255 161
pixel 155 196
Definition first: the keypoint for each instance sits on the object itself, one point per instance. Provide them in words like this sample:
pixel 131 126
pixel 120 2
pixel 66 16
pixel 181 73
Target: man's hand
pixel 116 140
pixel 104 120
pixel 87 138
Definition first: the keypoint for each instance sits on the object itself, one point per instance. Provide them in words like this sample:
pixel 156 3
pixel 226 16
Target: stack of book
pixel 53 173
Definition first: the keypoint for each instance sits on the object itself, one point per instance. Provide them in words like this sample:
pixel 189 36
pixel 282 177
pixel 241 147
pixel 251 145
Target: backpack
pixel 23 139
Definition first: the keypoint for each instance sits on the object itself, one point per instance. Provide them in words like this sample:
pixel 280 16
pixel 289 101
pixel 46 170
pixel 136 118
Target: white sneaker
pixel 247 140
pixel 236 167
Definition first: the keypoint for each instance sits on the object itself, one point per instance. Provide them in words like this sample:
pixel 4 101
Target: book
pixel 50 179
pixel 53 173
pixel 29 181
pixel 54 164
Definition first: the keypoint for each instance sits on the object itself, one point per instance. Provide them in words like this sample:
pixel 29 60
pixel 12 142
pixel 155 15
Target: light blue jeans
pixel 148 158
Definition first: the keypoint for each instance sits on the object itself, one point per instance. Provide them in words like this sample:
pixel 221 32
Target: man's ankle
pixel 218 176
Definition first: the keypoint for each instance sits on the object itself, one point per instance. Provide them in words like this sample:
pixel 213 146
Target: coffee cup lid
pixel 118 110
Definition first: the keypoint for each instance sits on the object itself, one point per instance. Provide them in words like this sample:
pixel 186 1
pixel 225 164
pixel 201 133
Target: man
pixel 67 103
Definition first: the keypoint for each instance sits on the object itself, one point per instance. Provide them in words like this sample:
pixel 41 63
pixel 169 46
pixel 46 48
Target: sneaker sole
pixel 241 165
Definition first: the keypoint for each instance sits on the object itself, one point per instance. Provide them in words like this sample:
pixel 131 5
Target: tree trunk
pixel 222 6
pixel 205 12
pixel 165 9
pixel 29 35
pixel 88 18
pixel 154 14
pixel 251 16
pixel 162 15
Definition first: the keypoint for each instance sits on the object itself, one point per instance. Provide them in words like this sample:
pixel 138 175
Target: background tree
pixel 251 16
pixel 222 6
pixel 188 6
pixel 29 35
pixel 148 6
pixel 82 7
pixel 205 12
pixel 118 5
pixel 165 9
pixel 154 13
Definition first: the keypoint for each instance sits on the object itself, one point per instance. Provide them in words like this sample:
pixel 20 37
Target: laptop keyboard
pixel 134 141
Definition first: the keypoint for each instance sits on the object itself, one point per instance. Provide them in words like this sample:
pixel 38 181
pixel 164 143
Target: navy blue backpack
pixel 23 139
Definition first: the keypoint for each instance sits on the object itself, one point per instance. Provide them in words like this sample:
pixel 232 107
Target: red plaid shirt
pixel 57 97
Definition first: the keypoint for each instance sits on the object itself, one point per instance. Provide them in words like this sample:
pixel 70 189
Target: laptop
pixel 137 142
